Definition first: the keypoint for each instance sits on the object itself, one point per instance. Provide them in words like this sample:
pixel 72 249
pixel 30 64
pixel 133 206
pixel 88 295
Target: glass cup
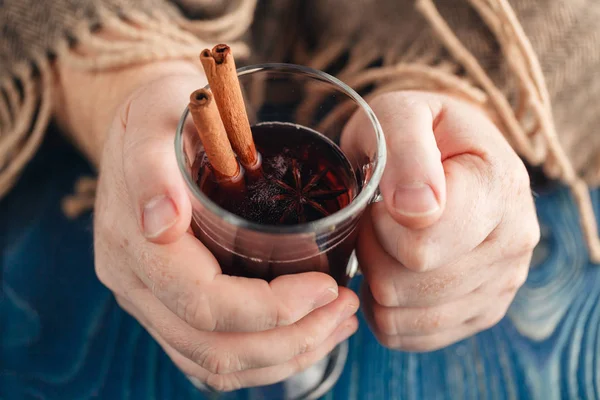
pixel 315 100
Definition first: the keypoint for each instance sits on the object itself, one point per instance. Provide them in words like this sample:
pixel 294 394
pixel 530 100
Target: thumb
pixel 154 183
pixel 413 184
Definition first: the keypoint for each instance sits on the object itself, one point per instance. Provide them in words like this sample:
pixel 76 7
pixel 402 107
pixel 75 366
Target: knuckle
pixel 302 362
pixel 104 215
pixel 532 236
pixel 222 383
pixel 521 176
pixel 384 293
pixel 415 255
pixel 490 322
pixel 195 311
pixel 522 274
pixel 193 373
pixel 385 321
pixel 278 315
pixel 103 274
pixel 107 266
pixel 184 367
pixel 308 343
pixel 102 223
pixel 391 342
pixel 492 318
pixel 123 303
pixel 427 322
pixel 526 240
pixel 281 316
pixel 186 308
pixel 517 280
pixel 215 361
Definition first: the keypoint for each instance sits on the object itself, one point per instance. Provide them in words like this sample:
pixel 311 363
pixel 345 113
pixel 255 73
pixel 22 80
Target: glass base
pixel 310 384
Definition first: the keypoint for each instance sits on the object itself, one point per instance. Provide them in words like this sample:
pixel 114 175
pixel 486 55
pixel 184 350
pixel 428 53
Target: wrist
pixel 88 100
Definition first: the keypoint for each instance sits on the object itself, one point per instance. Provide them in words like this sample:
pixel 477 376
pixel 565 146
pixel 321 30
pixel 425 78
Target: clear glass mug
pixel 313 99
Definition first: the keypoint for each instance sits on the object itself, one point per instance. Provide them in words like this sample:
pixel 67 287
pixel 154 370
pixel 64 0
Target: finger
pixel 152 177
pixel 431 328
pixel 282 344
pixel 253 377
pixel 413 185
pixel 439 340
pixel 394 285
pixel 226 352
pixel 420 321
pixel 186 278
pixel 270 375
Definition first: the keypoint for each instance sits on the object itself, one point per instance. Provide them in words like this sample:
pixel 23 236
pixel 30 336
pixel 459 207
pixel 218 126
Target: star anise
pixel 299 196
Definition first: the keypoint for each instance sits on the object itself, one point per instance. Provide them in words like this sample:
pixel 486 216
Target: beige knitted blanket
pixel 534 65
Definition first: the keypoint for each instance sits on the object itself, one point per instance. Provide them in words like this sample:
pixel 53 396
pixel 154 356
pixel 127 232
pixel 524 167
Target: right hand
pixel 229 332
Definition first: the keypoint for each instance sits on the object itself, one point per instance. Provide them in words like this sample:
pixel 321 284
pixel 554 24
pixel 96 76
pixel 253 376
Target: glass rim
pixel 359 202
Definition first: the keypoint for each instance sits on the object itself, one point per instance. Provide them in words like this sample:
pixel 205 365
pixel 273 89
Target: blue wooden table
pixel 62 336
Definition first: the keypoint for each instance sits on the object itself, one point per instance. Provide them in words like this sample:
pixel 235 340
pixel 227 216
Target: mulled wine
pixel 304 177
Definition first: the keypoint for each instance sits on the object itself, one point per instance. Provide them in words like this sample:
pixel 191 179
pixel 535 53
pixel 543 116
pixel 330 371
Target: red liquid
pixel 305 177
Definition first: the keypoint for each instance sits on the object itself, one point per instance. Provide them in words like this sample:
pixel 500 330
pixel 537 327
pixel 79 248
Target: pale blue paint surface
pixel 62 336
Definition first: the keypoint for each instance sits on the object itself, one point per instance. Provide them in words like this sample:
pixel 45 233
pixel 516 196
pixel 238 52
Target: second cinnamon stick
pixel 221 73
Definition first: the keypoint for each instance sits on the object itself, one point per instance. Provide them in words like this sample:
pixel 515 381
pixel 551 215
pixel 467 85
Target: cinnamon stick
pixel 219 66
pixel 212 133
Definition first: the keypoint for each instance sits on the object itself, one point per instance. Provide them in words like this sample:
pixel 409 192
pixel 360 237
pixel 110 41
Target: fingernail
pixel 415 200
pixel 349 311
pixel 326 297
pixel 159 215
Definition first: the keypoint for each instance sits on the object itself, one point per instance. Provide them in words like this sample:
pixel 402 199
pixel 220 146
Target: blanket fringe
pixel 26 97
pixel 19 143
pixel 523 63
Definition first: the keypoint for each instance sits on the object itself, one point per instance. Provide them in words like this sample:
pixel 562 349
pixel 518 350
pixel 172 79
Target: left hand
pixel 445 252
pixel 226 332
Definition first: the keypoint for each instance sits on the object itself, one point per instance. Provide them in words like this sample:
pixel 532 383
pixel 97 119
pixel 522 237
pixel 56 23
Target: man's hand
pixel 445 252
pixel 228 332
